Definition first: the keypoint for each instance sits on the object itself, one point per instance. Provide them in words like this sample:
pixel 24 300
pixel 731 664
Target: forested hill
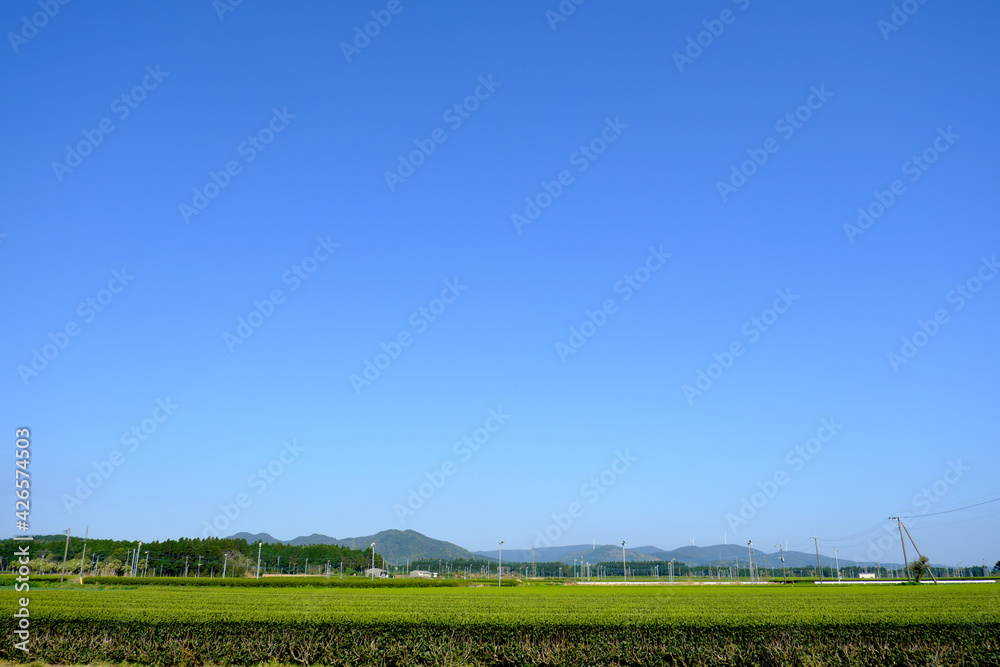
pixel 169 557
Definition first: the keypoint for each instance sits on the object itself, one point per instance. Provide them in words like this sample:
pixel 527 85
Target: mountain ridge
pixel 400 545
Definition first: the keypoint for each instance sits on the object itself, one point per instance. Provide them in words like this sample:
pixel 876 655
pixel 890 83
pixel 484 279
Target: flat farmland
pixel 573 625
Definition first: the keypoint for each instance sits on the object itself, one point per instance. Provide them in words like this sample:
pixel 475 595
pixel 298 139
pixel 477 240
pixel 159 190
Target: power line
pixel 985 502
pixel 952 523
pixel 851 537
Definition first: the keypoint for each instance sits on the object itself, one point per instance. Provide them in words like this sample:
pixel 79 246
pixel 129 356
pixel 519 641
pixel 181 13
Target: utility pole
pixel 225 564
pixel 260 545
pixel 784 578
pixel 624 570
pixel 499 564
pixel 750 558
pixel 65 553
pixel 135 563
pixel 837 558
pixel 186 566
pixel 146 570
pixel 199 565
pixel 929 570
pixel 906 563
pixel 818 566
pixel 306 574
pixel 83 558
pixel 373 561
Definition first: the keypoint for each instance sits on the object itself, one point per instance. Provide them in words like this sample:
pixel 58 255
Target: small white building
pixel 422 574
pixel 866 575
pixel 378 573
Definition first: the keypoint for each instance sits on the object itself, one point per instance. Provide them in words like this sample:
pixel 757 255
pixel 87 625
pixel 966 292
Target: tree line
pixel 208 557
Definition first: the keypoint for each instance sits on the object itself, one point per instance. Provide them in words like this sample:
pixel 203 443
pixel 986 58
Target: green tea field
pixel 525 625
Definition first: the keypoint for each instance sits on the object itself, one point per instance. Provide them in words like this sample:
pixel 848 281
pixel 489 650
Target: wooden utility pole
pixel 929 570
pixel 83 558
pixel 818 566
pixel 65 554
pixel 906 563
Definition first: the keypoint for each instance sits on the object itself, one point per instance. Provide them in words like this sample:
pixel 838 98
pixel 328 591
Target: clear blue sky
pixel 260 151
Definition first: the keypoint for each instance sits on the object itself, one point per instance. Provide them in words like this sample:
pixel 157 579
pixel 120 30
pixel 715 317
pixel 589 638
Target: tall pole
pixel 225 564
pixel 906 563
pixel 784 578
pixel 500 564
pixel 373 561
pixel 146 570
pixel 83 559
pixel 186 566
pixel 624 569
pixel 929 571
pixel 836 557
pixel 260 546
pixel 818 566
pixel 135 562
pixel 65 554
pixel 750 558
pixel 199 565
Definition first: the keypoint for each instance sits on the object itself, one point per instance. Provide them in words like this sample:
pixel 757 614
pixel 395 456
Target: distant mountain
pixel 647 550
pixel 252 538
pixel 567 554
pixel 729 553
pixel 317 538
pixel 398 545
pixel 394 545
pixel 693 555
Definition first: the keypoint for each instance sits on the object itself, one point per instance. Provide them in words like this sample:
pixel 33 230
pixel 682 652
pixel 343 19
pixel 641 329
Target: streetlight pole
pixel 624 570
pixel 499 563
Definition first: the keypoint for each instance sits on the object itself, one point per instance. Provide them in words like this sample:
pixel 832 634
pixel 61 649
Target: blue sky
pixel 696 172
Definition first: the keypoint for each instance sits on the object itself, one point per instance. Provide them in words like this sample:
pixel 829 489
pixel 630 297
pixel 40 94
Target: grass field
pixel 682 625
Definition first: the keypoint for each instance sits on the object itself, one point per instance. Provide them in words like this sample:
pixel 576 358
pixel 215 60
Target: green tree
pixel 920 567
